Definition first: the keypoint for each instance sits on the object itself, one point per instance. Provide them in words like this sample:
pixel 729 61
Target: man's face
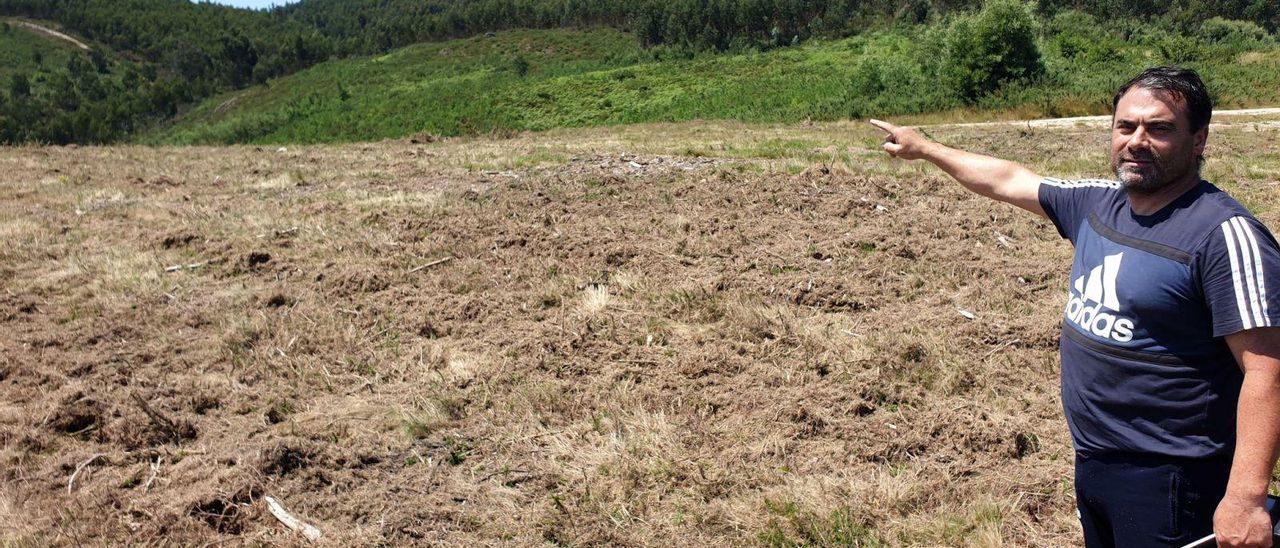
pixel 1152 144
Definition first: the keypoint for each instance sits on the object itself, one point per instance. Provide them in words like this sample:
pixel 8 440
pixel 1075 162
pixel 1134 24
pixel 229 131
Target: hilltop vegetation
pixel 173 53
pixel 537 80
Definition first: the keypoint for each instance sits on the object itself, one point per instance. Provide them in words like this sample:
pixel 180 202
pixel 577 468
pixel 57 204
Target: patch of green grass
pixel 781 148
pixel 418 425
pixel 980 522
pixel 791 527
pixel 778 269
pixel 537 157
pixel 458 449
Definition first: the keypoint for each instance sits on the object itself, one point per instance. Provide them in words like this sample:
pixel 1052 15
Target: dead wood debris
pixel 80 467
pixel 430 264
pixel 305 529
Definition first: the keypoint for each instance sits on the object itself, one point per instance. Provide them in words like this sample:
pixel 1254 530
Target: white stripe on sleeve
pixel 1082 183
pixel 1258 272
pixel 1235 273
pixel 1246 265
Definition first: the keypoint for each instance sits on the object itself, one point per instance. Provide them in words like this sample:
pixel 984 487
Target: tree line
pixel 169 53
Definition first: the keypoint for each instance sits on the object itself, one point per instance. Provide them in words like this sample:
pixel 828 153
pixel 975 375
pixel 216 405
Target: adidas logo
pixel 1094 303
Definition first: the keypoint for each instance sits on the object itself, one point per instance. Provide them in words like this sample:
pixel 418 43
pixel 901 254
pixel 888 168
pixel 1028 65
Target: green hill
pixel 447 88
pixel 535 80
pixel 181 71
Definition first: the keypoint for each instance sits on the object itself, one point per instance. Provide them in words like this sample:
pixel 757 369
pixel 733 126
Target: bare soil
pixel 579 339
pixel 41 29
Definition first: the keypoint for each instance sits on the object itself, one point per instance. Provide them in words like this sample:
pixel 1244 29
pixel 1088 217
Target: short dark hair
pixel 1182 83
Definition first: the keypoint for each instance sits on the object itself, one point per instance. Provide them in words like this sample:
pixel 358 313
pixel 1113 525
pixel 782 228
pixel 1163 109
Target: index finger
pixel 883 125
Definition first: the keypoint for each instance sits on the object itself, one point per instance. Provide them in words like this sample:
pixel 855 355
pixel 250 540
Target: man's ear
pixel 1201 137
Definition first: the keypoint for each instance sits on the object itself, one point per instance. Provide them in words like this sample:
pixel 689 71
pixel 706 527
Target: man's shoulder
pixel 1068 202
pixel 1216 200
pixel 1214 212
pixel 1213 206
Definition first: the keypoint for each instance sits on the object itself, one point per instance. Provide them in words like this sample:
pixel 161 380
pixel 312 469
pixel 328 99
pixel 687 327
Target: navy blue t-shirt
pixel 1145 368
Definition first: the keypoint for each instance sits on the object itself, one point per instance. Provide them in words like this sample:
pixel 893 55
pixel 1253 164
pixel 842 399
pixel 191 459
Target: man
pixel 1170 363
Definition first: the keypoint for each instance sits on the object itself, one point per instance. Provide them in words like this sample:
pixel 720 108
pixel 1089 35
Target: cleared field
pixel 708 333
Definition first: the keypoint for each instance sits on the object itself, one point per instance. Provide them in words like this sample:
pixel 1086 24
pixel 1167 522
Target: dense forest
pixel 165 54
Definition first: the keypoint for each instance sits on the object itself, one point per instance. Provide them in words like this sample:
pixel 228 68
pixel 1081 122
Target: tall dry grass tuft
pixel 594 301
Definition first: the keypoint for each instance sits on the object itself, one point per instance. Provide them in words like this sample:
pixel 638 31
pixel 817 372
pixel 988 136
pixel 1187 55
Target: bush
pixel 1080 38
pixel 520 65
pixel 19 86
pixel 1086 51
pixel 987 50
pixel 1181 49
pixel 1073 23
pixel 1237 33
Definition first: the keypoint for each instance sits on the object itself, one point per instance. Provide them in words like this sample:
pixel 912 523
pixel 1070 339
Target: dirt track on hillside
pixel 50 32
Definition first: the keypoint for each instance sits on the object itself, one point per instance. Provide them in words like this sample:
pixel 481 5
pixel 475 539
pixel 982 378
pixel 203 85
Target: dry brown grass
pixel 706 333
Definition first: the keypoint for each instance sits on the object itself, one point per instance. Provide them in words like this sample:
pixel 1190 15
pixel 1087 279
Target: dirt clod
pixel 279 300
pixel 354 282
pixel 288 456
pixel 227 515
pixel 78 416
pixel 1025 444
pixel 256 258
pixel 178 240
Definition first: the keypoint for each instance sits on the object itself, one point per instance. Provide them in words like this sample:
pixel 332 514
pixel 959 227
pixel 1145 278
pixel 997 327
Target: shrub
pixel 1079 37
pixel 520 65
pixel 1181 49
pixel 996 46
pixel 19 86
pixel 1237 33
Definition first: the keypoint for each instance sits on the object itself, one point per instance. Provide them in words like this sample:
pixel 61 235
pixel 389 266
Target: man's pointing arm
pixel 991 177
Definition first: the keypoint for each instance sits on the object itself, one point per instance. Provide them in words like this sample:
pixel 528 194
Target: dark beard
pixel 1152 179
pixel 1145 185
pixel 1156 177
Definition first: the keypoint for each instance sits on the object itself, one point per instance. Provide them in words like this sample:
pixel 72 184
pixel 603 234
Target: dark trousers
pixel 1138 500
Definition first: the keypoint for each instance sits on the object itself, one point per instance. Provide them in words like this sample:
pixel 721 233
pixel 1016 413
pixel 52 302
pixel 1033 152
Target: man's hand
pixel 902 142
pixel 1241 523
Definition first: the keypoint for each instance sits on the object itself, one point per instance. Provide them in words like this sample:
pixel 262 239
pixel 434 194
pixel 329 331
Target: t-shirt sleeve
pixel 1240 273
pixel 1068 203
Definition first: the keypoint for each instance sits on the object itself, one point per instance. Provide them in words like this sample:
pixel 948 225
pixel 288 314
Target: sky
pixel 255 4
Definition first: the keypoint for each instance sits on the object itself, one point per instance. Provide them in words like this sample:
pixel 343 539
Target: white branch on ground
pixel 431 264
pixel 71 482
pixel 304 528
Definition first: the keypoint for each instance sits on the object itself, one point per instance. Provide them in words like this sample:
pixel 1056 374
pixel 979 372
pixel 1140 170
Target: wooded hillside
pixel 152 58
